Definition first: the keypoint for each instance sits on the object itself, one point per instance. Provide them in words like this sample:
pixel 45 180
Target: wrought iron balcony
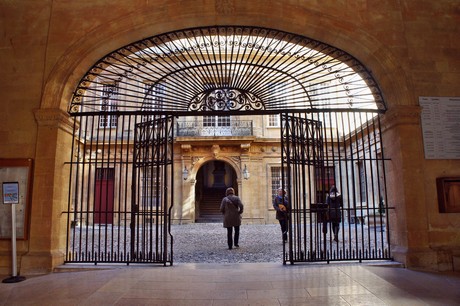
pixel 232 128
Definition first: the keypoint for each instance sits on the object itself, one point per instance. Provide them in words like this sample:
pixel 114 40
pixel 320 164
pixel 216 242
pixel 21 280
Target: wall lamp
pixel 185 173
pixel 245 173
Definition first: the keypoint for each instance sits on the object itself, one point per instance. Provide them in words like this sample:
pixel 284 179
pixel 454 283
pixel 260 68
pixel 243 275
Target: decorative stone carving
pixel 186 148
pixel 215 150
pixel 245 147
pixel 236 159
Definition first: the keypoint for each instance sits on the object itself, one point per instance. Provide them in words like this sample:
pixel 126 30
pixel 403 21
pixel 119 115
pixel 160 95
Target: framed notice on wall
pixel 448 194
pixel 441 127
pixel 16 184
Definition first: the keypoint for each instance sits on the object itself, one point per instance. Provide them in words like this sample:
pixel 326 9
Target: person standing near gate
pixel 232 209
pixel 334 204
pixel 281 205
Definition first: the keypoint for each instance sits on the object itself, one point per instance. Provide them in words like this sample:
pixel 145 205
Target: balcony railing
pixel 197 129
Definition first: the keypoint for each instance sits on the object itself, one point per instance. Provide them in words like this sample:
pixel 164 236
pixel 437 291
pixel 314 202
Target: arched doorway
pixel 132 107
pixel 213 178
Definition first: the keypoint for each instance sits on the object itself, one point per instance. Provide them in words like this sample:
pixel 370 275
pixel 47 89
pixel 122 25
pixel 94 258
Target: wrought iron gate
pixel 107 220
pixel 152 183
pixel 315 158
pixel 122 138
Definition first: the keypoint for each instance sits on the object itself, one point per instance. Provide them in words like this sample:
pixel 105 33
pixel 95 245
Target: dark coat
pixel 232 209
pixel 334 204
pixel 280 214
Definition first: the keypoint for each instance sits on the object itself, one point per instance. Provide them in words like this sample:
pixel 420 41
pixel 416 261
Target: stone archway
pixel 212 179
pixel 192 188
pixel 220 73
pixel 54 125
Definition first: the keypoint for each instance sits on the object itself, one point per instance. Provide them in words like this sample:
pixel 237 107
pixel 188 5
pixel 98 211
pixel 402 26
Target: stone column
pixel 50 192
pixel 403 144
pixel 187 209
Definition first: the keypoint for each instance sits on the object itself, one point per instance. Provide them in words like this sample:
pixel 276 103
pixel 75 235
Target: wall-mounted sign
pixel 16 183
pixel 10 192
pixel 441 127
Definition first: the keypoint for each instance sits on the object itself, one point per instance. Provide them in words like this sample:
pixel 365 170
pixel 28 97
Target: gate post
pixel 406 189
pixel 47 224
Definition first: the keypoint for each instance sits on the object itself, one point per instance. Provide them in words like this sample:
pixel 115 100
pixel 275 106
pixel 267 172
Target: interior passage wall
pixel 410 46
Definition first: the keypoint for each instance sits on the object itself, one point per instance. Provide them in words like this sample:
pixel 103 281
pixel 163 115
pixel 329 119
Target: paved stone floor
pixel 205 272
pixel 207 242
pixel 235 284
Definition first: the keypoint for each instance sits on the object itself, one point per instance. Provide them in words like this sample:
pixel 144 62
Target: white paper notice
pixel 441 127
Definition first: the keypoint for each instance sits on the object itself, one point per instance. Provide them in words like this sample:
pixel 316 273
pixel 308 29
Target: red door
pixel 103 201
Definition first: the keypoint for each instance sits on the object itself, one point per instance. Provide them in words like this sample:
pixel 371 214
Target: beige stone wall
pixel 410 46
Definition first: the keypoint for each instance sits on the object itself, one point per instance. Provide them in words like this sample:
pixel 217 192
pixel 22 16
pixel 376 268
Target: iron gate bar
pixel 222 113
pixel 249 59
pixel 358 241
pixel 91 241
pixel 98 243
pixel 153 147
pixel 84 213
pixel 227 70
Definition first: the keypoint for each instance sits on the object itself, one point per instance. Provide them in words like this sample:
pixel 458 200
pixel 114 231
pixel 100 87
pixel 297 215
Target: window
pixel 209 121
pixel 320 95
pixel 362 181
pixel 277 180
pixel 321 91
pixel 154 98
pixel 109 104
pixel 278 93
pixel 217 125
pixel 274 120
pixel 150 189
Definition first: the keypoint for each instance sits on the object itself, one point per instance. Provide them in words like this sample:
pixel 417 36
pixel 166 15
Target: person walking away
pixel 232 209
pixel 334 204
pixel 281 205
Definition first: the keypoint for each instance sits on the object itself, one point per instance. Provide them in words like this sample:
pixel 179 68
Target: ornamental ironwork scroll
pixel 224 99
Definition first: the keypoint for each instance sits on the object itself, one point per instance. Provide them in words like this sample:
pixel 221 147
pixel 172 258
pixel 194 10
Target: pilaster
pixel 49 200
pixel 403 145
